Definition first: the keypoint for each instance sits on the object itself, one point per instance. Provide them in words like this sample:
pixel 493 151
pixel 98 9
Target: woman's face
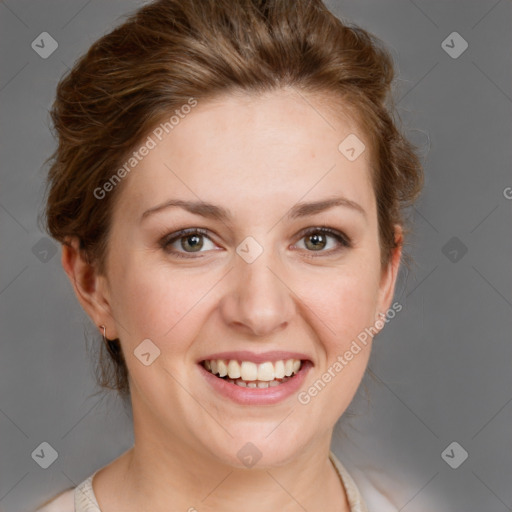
pixel 260 283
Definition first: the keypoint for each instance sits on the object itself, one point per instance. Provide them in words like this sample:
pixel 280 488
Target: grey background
pixel 442 366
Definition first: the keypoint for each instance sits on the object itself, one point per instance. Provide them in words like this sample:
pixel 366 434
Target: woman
pixel 228 191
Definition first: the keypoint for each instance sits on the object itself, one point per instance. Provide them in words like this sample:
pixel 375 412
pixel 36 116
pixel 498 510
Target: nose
pixel 258 302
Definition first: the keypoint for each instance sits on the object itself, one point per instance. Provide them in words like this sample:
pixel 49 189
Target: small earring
pixel 104 333
pixel 112 345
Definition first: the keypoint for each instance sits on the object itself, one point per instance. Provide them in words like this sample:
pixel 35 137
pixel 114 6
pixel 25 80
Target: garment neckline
pixel 354 498
pixel 85 498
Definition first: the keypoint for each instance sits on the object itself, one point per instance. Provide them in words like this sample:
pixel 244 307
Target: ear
pixel 90 288
pixel 389 275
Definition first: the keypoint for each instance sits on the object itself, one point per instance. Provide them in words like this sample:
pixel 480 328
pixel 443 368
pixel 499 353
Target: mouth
pixel 248 374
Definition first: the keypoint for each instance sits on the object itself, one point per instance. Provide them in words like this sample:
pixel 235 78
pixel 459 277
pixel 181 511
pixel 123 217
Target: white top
pixel 83 499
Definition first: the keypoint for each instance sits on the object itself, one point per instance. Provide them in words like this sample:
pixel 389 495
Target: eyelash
pixel 341 238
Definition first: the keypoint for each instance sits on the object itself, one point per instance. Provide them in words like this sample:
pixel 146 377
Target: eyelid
pixel 339 235
pixel 344 241
pixel 167 240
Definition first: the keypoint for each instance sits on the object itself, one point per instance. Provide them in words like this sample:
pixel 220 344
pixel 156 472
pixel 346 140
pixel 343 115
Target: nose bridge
pixel 257 298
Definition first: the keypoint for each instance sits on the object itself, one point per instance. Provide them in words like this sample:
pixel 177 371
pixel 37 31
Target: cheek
pixel 345 302
pixel 149 301
pixel 343 309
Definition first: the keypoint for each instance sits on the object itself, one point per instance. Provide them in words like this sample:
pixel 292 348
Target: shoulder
pixel 377 491
pixel 63 502
pixel 367 490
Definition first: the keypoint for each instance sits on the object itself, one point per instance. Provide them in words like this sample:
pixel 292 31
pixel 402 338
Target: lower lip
pixel 257 396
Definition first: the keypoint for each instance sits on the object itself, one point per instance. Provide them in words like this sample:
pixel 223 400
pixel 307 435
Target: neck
pixel 171 470
pixel 159 472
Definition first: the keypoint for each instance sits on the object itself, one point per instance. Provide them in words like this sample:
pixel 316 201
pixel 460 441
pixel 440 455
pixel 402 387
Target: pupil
pixel 318 241
pixel 195 245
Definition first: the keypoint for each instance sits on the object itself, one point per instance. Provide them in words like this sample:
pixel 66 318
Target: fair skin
pixel 257 157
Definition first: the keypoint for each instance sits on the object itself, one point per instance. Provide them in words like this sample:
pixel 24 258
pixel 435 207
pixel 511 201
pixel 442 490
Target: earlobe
pixel 88 285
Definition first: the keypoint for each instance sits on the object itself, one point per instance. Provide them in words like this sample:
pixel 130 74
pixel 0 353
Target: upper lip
pixel 262 357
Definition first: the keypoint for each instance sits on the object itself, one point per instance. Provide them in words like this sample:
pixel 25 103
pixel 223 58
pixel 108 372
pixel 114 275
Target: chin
pixel 260 445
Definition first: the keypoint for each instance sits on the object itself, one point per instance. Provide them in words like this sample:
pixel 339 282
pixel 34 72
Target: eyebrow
pixel 212 211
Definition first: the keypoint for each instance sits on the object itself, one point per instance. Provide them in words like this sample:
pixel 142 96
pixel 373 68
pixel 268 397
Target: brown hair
pixel 170 51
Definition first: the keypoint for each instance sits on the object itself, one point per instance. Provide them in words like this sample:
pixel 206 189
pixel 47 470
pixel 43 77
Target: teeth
pixel 266 372
pixel 278 369
pixel 249 371
pixel 222 368
pixel 252 375
pixel 288 367
pixel 234 370
pixel 256 383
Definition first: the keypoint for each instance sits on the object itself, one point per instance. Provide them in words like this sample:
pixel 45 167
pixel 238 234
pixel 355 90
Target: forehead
pixel 279 145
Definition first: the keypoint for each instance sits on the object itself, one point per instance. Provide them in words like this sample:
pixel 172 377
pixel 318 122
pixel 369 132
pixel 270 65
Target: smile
pixel 252 375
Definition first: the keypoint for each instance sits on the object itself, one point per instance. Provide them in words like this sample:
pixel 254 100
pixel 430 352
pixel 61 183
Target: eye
pixel 192 240
pixel 188 240
pixel 317 239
